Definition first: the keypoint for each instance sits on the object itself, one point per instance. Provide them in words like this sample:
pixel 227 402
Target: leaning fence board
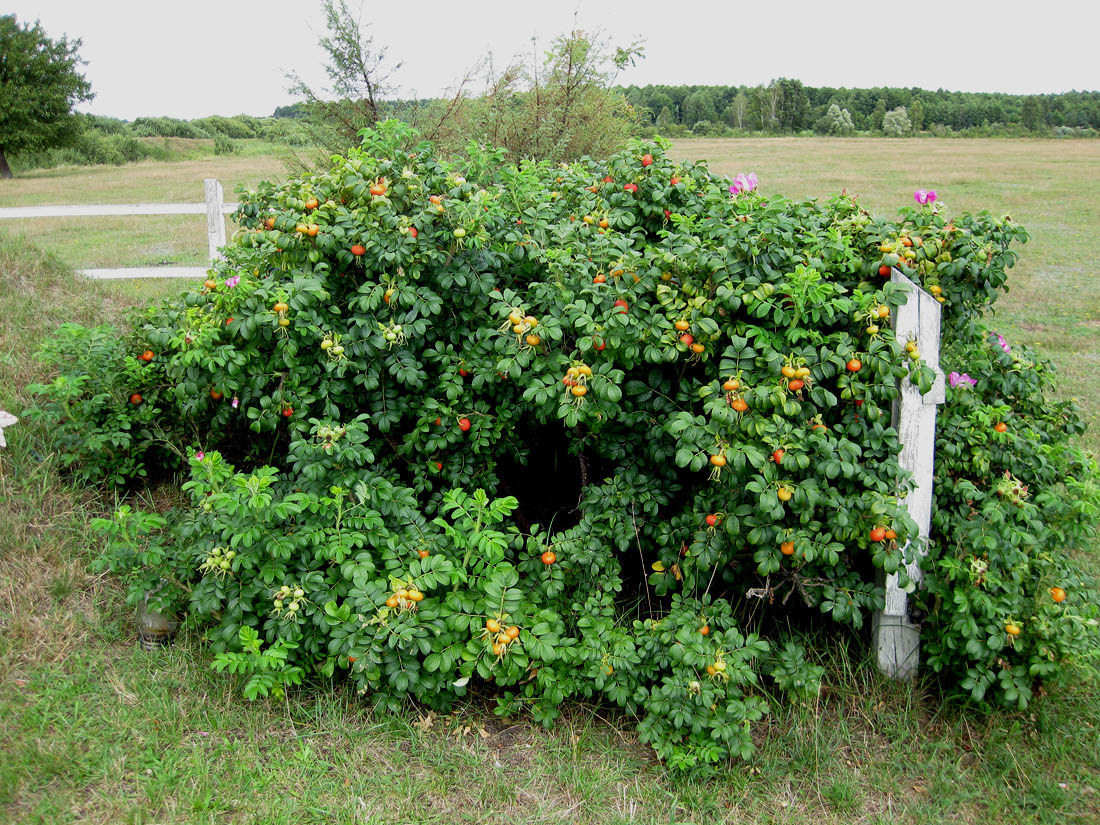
pixel 897 637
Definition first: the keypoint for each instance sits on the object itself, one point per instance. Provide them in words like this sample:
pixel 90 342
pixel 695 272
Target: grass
pixel 97 730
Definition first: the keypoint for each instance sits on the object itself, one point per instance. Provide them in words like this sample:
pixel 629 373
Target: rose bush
pixel 592 430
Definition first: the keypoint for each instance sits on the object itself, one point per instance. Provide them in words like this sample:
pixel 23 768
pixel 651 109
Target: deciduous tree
pixel 1030 114
pixel 836 121
pixel 793 104
pixel 39 86
pixel 560 107
pixel 916 114
pixel 738 110
pixel 878 114
pixel 896 123
pixel 699 106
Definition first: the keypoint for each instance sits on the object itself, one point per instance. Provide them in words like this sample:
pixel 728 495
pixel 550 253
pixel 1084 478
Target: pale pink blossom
pixel 743 183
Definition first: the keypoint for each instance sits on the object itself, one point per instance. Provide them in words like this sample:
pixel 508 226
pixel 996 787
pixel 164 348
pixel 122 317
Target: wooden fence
pixel 215 208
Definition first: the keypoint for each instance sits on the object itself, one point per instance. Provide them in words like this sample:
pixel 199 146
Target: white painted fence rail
pixel 214 207
pixel 896 636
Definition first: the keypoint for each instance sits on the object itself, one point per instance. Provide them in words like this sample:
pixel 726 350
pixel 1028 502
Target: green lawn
pixel 98 731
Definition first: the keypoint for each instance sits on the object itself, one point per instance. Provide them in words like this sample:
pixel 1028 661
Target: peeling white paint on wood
pixel 215 222
pixel 897 639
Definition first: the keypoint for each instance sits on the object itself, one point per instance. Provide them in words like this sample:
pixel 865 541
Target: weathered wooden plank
pixel 897 639
pixel 93 210
pixel 215 223
pixel 197 273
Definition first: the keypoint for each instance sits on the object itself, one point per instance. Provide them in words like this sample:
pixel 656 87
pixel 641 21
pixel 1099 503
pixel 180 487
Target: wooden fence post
pixel 215 221
pixel 897 638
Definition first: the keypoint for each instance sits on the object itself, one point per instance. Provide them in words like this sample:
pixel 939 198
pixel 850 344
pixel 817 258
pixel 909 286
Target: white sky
pixel 191 58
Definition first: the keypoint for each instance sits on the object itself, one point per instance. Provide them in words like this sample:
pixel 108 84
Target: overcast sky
pixel 193 58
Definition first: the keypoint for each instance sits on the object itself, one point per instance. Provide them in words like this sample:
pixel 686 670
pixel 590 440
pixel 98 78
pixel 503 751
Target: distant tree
pixel 772 96
pixel 738 110
pixel 778 106
pixel 916 114
pixel 759 109
pixel 678 94
pixel 792 106
pixel 878 114
pixel 294 110
pixel 636 98
pixel 107 125
pixel 836 121
pixel 665 119
pixel 39 86
pixel 698 106
pixel 896 123
pixel 993 113
pixel 1030 113
pixel 660 100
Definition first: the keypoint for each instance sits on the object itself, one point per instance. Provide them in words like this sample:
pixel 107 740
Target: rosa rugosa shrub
pixel 103 429
pixel 591 430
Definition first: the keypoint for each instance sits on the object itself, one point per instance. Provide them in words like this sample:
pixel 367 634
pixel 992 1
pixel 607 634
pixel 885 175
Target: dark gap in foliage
pixel 161 466
pixel 548 482
pixel 245 449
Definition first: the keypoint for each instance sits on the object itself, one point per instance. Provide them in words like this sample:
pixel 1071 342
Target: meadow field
pixel 97 730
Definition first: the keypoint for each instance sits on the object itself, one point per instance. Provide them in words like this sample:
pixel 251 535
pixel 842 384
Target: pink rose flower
pixel 955 379
pixel 743 183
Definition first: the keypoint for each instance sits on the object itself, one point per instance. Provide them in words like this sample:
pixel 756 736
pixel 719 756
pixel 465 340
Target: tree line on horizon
pixel 782 107
pixel 786 105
